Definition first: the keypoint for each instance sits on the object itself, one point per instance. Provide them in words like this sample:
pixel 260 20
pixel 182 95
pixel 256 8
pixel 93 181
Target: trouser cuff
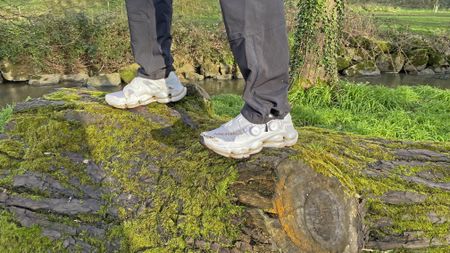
pixel 155 75
pixel 256 117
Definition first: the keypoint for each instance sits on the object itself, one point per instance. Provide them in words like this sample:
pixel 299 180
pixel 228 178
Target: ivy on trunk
pixel 316 37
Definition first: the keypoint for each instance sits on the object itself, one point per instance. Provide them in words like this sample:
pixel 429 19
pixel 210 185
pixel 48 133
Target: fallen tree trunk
pixel 93 178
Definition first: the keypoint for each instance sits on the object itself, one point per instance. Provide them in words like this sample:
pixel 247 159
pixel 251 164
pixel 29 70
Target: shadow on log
pixel 96 179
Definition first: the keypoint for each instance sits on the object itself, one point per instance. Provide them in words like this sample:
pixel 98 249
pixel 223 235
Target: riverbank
pixel 98 43
pixel 418 113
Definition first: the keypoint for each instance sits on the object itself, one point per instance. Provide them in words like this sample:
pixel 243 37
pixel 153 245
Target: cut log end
pixel 315 212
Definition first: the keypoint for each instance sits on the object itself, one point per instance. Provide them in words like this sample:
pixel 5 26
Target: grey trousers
pixel 258 38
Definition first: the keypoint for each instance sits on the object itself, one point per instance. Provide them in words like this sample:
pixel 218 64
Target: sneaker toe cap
pixel 116 99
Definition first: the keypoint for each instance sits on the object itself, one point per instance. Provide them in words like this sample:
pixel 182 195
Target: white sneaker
pixel 240 138
pixel 142 91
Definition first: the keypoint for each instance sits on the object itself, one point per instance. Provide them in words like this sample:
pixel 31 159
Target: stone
pixel 363 42
pixel 188 72
pixel 105 80
pixel 390 63
pixel 43 183
pixel 66 206
pixel 209 69
pixel 224 77
pixel 44 80
pixel 225 69
pixel 438 70
pixel 384 46
pixel 1 78
pixel 15 72
pixel 365 68
pixel 360 54
pixel 426 71
pixel 35 104
pixel 343 62
pixel 403 198
pixel 128 73
pixel 417 60
pixel 192 76
pixel 436 59
pixel 79 79
pixel 239 74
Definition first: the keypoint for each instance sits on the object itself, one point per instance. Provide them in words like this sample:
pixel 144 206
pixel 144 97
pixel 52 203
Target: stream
pixel 11 93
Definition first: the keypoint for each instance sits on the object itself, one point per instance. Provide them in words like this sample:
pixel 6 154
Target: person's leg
pixel 150 29
pixel 258 38
pixel 150 23
pixel 257 33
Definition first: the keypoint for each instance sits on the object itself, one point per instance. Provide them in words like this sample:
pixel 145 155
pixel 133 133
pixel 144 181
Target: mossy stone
pixel 343 62
pixel 365 68
pixel 384 46
pixel 390 63
pixel 128 73
pixel 417 60
pixel 436 59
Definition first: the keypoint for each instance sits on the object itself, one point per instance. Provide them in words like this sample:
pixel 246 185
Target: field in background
pixel 423 22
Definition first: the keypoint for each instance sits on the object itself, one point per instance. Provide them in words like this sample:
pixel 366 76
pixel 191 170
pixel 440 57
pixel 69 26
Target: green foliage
pixel 414 113
pixel 417 113
pixel 317 32
pixel 17 239
pixel 87 36
pixel 5 114
pixel 66 43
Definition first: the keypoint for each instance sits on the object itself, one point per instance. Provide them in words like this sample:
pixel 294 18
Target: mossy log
pixel 97 179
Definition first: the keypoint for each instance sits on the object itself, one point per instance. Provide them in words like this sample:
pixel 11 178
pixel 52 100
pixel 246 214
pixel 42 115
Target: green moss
pixel 384 46
pixel 16 239
pixel 128 73
pixel 190 198
pixel 189 190
pixel 418 57
pixel 12 148
pixel 63 94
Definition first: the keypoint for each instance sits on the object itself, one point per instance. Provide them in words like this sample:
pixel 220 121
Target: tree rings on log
pixel 315 212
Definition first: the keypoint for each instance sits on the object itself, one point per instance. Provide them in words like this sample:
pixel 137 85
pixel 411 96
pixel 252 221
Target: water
pixel 11 93
pixel 394 80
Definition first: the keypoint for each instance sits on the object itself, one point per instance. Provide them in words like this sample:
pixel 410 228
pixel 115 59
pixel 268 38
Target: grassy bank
pixel 411 113
pixel 93 37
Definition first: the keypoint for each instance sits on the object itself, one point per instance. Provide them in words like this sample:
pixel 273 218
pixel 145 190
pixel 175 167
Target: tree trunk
pixel 95 178
pixel 316 42
pixel 436 6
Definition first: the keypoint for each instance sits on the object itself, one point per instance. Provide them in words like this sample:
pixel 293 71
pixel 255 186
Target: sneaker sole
pixel 278 141
pixel 153 99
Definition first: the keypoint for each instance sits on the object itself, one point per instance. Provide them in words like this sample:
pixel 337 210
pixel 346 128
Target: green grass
pixel 408 113
pixel 418 21
pixel 5 114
